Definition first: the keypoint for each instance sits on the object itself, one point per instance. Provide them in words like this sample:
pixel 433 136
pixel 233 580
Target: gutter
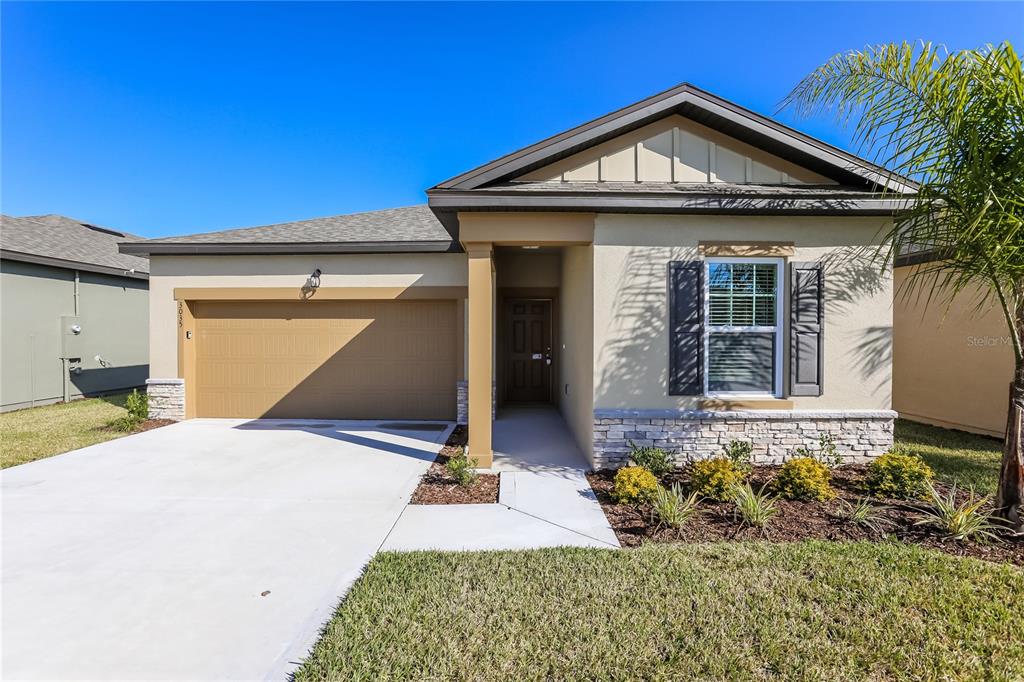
pixel 258 248
pixel 71 265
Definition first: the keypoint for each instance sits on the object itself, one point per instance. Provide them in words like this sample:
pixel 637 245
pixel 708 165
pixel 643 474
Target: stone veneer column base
pixel 859 435
pixel 166 398
pixel 462 401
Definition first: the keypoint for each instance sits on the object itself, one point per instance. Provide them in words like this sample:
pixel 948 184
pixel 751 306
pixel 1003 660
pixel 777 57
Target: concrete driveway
pixel 209 549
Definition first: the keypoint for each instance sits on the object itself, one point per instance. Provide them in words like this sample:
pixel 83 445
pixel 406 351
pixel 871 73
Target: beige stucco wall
pixel 631 254
pixel 575 387
pixel 339 270
pixel 952 363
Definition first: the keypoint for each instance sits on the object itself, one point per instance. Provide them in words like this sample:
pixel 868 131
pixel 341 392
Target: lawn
pixel 956 456
pixel 38 432
pixel 729 611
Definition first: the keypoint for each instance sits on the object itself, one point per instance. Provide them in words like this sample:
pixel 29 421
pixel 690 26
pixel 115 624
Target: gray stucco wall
pixel 113 345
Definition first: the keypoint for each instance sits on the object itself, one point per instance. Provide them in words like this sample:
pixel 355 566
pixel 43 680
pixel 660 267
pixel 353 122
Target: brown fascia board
pixel 254 248
pixel 6 254
pixel 481 200
pixel 705 108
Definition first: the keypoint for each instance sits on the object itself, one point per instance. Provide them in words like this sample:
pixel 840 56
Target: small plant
pixel 739 452
pixel 864 514
pixel 826 453
pixel 137 410
pixel 959 520
pixel 804 478
pixel 655 460
pixel 715 478
pixel 753 508
pixel 634 485
pixel 898 475
pixel 672 508
pixel 461 469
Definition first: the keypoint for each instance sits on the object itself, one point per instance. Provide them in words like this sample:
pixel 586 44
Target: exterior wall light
pixel 314 280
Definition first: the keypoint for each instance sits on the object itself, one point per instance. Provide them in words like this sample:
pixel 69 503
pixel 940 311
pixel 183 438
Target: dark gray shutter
pixel 686 327
pixel 806 330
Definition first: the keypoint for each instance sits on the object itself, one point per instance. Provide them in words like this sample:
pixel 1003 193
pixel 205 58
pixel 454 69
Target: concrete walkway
pixel 544 498
pixel 210 549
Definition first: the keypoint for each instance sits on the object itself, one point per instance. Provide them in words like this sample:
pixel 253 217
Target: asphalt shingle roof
pixel 407 224
pixel 66 239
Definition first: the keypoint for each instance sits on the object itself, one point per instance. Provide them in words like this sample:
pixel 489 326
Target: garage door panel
pixel 326 360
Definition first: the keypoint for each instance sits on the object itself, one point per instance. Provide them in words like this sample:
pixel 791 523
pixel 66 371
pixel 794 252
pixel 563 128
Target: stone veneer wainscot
pixel 859 435
pixel 166 398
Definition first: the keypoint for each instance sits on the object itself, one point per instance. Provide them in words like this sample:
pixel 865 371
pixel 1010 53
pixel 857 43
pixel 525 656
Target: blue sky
pixel 173 118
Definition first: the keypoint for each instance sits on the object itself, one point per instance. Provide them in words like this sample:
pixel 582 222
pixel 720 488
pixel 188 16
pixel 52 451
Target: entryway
pixel 529 348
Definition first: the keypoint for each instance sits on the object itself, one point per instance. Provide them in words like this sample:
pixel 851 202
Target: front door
pixel 528 378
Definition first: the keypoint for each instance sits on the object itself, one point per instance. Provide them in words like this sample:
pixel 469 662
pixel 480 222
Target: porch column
pixel 481 350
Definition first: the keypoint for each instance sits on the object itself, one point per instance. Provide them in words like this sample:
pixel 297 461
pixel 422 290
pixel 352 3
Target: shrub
pixel 898 475
pixel 655 460
pixel 826 453
pixel 739 452
pixel 461 469
pixel 137 410
pixel 634 485
pixel 864 514
pixel 672 508
pixel 804 478
pixel 754 509
pixel 715 478
pixel 958 520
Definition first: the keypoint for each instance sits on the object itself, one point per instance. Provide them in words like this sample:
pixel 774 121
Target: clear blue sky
pixel 173 118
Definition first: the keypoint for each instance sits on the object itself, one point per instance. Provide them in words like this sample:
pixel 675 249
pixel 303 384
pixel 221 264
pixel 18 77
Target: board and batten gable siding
pixel 631 335
pixel 113 314
pixel 676 149
pixel 168 273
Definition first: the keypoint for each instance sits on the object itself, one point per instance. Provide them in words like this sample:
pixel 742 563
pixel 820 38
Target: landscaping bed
pixel 796 520
pixel 145 425
pixel 439 486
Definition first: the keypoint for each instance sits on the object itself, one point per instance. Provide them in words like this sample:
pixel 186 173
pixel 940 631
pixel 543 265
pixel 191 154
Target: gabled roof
pixel 412 228
pixel 701 106
pixel 68 243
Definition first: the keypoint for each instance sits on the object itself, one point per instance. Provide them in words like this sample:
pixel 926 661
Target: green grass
pixel 39 432
pixel 969 460
pixel 729 611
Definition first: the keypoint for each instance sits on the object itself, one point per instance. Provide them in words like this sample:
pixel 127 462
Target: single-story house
pixel 952 361
pixel 75 311
pixel 681 272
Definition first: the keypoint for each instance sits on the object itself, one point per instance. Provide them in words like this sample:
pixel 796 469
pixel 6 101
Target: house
pixel 944 353
pixel 75 311
pixel 680 272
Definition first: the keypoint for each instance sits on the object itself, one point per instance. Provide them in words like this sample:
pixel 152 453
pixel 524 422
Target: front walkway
pixel 544 498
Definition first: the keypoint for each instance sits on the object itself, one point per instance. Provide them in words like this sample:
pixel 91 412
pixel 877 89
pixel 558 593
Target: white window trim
pixel 780 264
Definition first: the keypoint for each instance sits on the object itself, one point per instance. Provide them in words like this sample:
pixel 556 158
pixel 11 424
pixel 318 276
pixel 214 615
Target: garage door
pixel 326 359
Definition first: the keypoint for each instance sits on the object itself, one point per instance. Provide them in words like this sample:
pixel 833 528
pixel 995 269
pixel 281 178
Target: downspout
pixel 65 366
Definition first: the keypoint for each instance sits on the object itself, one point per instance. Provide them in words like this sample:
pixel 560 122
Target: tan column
pixel 481 350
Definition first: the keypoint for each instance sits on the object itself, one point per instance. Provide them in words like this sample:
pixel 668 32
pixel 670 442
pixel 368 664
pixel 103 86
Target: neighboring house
pixel 680 272
pixel 952 364
pixel 75 311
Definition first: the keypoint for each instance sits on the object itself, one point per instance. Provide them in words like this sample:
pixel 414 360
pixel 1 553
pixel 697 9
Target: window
pixel 743 314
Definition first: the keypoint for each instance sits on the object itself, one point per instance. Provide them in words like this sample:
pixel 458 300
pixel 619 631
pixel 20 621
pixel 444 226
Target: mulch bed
pixel 437 487
pixel 147 425
pixel 795 521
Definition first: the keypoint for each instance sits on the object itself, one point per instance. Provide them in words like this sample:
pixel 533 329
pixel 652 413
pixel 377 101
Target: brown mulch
pixel 437 487
pixel 147 425
pixel 795 521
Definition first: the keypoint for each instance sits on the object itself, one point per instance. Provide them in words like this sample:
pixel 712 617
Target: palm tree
pixel 955 124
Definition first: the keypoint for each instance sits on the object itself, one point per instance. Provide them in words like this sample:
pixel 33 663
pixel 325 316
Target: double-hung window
pixel 743 325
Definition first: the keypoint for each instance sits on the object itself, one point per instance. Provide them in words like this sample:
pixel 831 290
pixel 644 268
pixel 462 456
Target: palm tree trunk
pixel 1010 498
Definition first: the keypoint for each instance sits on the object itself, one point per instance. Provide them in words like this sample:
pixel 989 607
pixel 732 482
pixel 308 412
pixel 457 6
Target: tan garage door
pixel 326 360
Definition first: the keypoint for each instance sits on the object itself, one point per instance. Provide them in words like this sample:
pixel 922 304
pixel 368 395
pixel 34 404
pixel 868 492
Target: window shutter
pixel 806 331
pixel 686 327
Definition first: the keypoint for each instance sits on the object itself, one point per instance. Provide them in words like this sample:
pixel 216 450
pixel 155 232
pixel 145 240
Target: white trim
pixel 780 265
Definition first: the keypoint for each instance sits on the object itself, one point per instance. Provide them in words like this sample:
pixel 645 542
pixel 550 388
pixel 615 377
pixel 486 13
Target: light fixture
pixel 531 248
pixel 314 280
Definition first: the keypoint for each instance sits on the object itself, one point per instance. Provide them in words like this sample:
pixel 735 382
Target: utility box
pixel 71 333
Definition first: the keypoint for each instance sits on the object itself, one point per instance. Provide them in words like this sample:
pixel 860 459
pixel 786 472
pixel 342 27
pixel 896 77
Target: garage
pixel 340 359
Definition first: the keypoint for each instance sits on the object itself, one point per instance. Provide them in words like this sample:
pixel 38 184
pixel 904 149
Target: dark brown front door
pixel 529 350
